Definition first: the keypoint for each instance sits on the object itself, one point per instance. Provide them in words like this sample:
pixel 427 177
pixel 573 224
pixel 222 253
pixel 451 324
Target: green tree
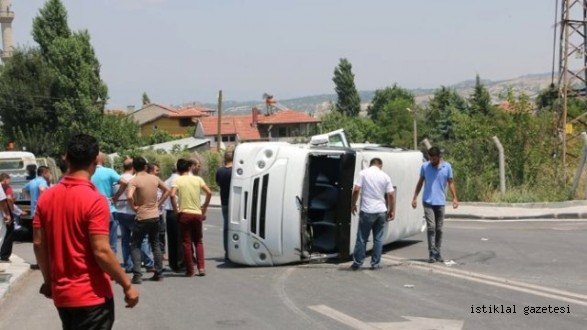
pixel 480 100
pixel 547 99
pixel 357 129
pixel 25 94
pixel 348 102
pixel 146 99
pixel 50 24
pixel 34 139
pixel 118 132
pixel 78 93
pixel 383 96
pixel 394 124
pixel 439 113
pixel 158 136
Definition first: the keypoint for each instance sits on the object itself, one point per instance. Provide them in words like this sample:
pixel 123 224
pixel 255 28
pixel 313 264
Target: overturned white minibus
pixel 292 203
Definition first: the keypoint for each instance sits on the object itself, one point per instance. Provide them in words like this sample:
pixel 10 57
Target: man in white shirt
pixel 377 207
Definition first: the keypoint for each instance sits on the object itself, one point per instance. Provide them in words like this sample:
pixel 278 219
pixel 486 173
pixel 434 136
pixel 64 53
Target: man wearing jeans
pixel 125 215
pixel 142 197
pixel 104 179
pixel 376 189
pixel 434 175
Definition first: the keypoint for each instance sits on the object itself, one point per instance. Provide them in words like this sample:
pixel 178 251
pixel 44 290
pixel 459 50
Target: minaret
pixel 6 17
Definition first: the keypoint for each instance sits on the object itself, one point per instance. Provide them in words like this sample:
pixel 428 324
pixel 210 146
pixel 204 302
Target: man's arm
pixel 26 190
pixel 130 192
pixel 165 194
pixel 6 209
pixel 391 205
pixel 122 184
pixel 172 195
pixel 208 197
pixel 417 192
pixel 109 263
pixel 453 191
pixel 42 254
pixel 355 198
pixel 42 188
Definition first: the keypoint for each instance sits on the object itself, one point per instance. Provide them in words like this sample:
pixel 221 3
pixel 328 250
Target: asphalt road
pixel 528 267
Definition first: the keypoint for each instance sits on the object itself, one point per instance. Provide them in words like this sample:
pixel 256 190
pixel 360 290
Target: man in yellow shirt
pixel 190 213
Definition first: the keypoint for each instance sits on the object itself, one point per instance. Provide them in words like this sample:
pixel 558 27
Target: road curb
pixel 18 270
pixel 561 216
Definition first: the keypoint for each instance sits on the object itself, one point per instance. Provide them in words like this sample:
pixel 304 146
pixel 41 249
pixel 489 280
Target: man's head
pixel 44 172
pixel 81 153
pixel 376 162
pixel 228 157
pixel 195 166
pixel 4 179
pixel 434 156
pixel 139 164
pixel 153 168
pixel 183 165
pixel 127 165
pixel 101 158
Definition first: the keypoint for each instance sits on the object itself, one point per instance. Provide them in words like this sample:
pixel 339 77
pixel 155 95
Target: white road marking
pixel 413 323
pixel 515 220
pixel 342 318
pixel 537 290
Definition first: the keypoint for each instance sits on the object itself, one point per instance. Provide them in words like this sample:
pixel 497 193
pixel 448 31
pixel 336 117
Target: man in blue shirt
pixel 35 187
pixel 104 178
pixel 434 175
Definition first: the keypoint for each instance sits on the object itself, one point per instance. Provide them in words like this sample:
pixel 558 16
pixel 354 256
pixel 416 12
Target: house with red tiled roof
pixel 175 121
pixel 283 125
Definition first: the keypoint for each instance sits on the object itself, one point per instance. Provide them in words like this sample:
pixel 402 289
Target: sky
pixel 180 51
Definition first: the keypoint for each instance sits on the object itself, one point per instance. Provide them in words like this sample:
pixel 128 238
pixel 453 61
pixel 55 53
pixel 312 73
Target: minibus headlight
pixel 239 171
pixel 261 164
pixel 268 153
pixel 235 237
pixel 256 245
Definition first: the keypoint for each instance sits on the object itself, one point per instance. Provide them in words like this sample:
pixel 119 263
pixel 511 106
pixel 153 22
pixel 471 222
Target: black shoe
pixel 355 267
pixel 431 260
pixel 439 258
pixel 35 267
pixel 156 278
pixel 5 261
pixel 375 267
pixel 137 279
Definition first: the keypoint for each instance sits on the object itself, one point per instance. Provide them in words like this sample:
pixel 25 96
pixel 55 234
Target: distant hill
pixel 530 84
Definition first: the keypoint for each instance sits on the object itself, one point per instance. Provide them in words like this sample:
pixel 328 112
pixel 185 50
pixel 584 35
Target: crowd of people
pixel 76 223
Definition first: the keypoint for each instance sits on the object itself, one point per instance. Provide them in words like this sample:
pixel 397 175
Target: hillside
pixel 531 85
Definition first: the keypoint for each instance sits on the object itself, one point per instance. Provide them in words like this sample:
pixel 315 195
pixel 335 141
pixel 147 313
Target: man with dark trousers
pixel 223 177
pixel 142 197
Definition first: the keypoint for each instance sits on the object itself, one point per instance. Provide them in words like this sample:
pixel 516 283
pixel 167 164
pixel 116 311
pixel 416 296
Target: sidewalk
pixel 491 211
pixel 14 271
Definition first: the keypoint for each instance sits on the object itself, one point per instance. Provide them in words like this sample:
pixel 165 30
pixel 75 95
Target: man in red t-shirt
pixel 71 242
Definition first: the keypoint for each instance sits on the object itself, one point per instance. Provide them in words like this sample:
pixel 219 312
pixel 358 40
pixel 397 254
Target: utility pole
pixel 415 130
pixel 219 137
pixel 572 66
